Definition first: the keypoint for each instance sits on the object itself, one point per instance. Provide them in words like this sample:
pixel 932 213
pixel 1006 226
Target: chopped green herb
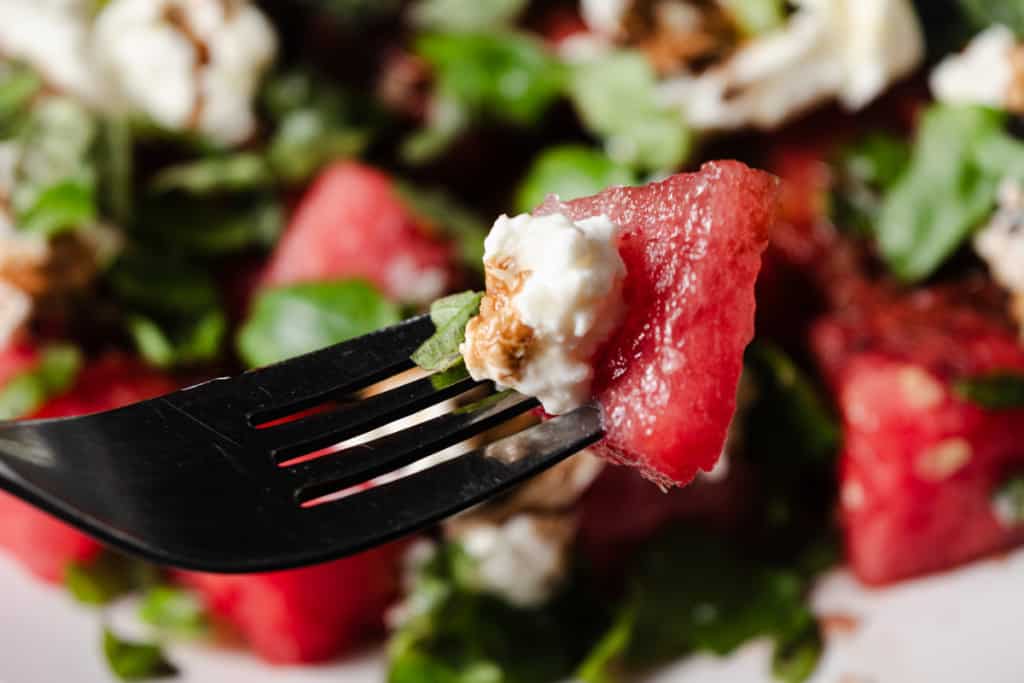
pixel 948 189
pixel 18 86
pixel 181 343
pixel 615 97
pixel 55 174
pixel 501 76
pixel 797 653
pixel 453 633
pixel 569 171
pixel 452 375
pixel 985 13
pixel 450 316
pixel 692 592
pixel 242 171
pixel 466 15
pixel 117 164
pixel 105 578
pixel 1008 500
pixel 211 226
pixel 864 172
pixel 175 611
pixel 295 319
pixel 996 391
pixel 27 391
pixel 133 661
pixel 755 17
pixel 485 403
pixel 789 408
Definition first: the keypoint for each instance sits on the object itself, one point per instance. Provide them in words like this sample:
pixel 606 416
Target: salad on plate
pixel 778 243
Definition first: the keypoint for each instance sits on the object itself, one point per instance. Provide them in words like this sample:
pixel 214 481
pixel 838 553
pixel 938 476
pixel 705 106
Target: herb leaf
pixel 242 171
pixel 984 13
pixel 502 76
pixel 865 171
pixel 1008 501
pixel 175 611
pixel 455 634
pixel 106 577
pixel 465 15
pixel 132 661
pixel 944 194
pixel 295 319
pixel 27 391
pixel 790 408
pixel 450 316
pixel 995 391
pixel 755 17
pixel 615 97
pixel 693 592
pixel 569 171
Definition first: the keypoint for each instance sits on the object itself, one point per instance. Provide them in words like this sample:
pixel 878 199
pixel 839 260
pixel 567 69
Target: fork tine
pixel 312 433
pixel 386 512
pixel 294 385
pixel 361 463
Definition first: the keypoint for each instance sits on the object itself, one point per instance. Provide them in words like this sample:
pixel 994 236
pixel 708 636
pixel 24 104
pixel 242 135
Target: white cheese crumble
pixel 187 63
pixel 554 294
pixel 982 74
pixel 849 50
pixel 1001 242
pixel 184 64
pixel 15 308
pixel 54 37
pixel 515 560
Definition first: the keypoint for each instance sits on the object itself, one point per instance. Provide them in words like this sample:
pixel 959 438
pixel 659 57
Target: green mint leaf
pixel 133 661
pixel 754 17
pixel 116 165
pixel 984 13
pixel 181 342
pixel 615 97
pixel 454 633
pixel 19 85
pixel 211 226
pixel 945 193
pixel 175 611
pixel 102 580
pixel 61 207
pixel 452 375
pixel 450 316
pixel 790 415
pixel 864 171
pixel 242 171
pixel 465 15
pixel 797 653
pixel 307 139
pixel 501 76
pixel 55 175
pixel 292 320
pixel 604 663
pixel 995 391
pixel 445 215
pixel 1008 501
pixel 159 284
pixel 569 171
pixel 27 391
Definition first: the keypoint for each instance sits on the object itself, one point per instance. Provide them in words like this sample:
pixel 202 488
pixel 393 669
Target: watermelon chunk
pixel 310 614
pixel 352 223
pixel 42 543
pixel 920 465
pixel 667 378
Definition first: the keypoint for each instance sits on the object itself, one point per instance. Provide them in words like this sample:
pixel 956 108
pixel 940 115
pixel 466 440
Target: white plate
pixel 957 627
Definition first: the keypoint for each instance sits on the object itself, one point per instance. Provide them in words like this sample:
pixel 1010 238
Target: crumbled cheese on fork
pixel 554 295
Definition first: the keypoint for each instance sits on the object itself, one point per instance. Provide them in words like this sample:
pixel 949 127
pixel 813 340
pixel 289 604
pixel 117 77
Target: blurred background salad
pixel 193 187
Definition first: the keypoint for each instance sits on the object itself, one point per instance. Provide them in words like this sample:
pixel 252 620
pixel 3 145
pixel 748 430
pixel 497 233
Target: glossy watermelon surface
pixel 667 378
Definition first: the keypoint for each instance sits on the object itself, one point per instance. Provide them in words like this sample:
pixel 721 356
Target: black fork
pixel 212 477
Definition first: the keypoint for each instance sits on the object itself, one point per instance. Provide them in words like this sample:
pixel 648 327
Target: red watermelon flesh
pixel 310 614
pixel 42 543
pixel 667 378
pixel 352 223
pixel 919 464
